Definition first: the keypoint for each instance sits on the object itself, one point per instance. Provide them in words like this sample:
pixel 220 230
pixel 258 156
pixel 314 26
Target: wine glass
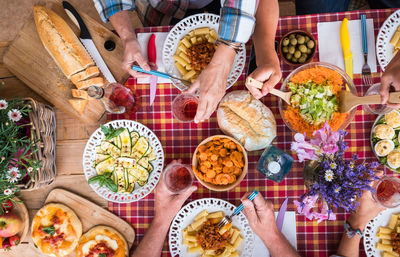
pixel 387 192
pixel 178 177
pixel 184 107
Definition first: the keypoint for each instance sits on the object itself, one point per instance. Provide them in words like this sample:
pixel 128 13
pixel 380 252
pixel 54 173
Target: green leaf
pixel 49 230
pixel 102 255
pixel 95 179
pixel 111 185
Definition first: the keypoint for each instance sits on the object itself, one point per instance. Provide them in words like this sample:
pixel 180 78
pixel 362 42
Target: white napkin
pixel 288 229
pixel 143 39
pixel 330 49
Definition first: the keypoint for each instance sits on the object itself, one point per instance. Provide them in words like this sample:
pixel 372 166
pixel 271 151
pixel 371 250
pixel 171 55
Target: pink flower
pixel 14 115
pixel 3 104
pixel 326 139
pixel 304 150
pixel 307 206
pixel 13 174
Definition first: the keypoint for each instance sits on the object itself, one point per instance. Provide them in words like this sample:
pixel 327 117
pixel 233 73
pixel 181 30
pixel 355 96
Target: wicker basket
pixel 43 130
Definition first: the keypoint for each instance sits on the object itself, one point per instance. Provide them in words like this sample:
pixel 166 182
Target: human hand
pixel 167 203
pixel 133 55
pixel 212 82
pixel 391 77
pixel 261 217
pixel 366 211
pixel 269 72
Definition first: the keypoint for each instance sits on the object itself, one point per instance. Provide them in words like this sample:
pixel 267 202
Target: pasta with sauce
pixel 203 236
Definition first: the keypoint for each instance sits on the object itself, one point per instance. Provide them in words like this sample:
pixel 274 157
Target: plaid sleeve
pixel 107 8
pixel 237 20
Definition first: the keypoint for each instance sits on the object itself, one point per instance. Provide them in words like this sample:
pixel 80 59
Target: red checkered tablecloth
pixel 180 140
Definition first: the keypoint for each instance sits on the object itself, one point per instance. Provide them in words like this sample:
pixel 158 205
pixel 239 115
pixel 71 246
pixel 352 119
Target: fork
pixel 228 219
pixel 366 70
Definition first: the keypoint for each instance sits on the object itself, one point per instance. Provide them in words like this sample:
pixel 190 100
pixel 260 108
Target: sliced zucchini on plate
pixel 134 137
pixel 126 162
pixel 106 165
pixel 142 182
pixel 144 162
pixel 126 143
pixel 101 157
pixel 110 148
pixel 152 154
pixel 141 146
pixel 117 141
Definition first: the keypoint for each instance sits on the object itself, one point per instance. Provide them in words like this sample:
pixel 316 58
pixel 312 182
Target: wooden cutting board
pixel 27 58
pixel 91 214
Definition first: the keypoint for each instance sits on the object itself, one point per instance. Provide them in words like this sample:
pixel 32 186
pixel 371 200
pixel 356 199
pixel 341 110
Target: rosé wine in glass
pixel 178 177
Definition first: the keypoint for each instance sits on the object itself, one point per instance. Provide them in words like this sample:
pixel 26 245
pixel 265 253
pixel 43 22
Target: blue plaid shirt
pixel 236 24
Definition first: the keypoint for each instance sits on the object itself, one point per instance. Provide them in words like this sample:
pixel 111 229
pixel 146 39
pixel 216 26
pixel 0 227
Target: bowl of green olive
pixel 297 47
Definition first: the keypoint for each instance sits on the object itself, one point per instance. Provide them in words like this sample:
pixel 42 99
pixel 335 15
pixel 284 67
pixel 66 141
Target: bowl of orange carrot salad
pixel 315 98
pixel 220 163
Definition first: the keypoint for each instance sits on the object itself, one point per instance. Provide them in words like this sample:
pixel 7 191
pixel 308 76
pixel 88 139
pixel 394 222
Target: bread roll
pixel 246 119
pixel 82 94
pixel 61 42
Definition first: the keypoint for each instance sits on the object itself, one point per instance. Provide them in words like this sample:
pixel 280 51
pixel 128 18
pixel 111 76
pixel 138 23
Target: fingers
pixel 254 91
pixel 201 110
pixel 135 74
pixel 141 61
pixel 384 90
pixel 249 210
pixel 260 203
pixel 193 88
pixel 270 83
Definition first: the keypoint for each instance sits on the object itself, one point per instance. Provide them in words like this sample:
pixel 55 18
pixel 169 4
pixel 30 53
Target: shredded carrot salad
pixel 318 75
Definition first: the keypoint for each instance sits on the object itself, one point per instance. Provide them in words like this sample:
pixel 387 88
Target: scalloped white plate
pixel 89 156
pixel 384 50
pixel 186 216
pixel 370 238
pixel 182 29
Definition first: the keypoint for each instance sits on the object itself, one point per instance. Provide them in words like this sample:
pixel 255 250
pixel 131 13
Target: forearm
pixel 278 245
pixel 123 25
pixel 267 16
pixel 350 247
pixel 223 57
pixel 153 241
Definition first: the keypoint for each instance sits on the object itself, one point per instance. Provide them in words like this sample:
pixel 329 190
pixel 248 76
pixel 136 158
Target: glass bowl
pixel 346 80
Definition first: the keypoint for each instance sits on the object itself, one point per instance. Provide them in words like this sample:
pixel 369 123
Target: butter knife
pixel 87 41
pixel 281 215
pixel 152 58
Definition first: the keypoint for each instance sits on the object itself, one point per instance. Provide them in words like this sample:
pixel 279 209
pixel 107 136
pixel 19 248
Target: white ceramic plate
pixel 370 238
pixel 384 50
pixel 89 156
pixel 186 216
pixel 182 29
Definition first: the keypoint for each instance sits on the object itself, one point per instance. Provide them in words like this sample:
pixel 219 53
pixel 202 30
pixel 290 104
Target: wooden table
pixel 71 133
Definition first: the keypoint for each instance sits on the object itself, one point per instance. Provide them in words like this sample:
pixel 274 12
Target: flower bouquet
pixel 17 164
pixel 332 181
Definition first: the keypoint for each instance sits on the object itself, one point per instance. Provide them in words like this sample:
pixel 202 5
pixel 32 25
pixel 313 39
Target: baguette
pixel 97 81
pixel 61 42
pixel 78 104
pixel 86 74
pixel 82 94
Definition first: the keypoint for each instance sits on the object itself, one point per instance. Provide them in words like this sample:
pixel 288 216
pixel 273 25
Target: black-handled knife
pixel 87 41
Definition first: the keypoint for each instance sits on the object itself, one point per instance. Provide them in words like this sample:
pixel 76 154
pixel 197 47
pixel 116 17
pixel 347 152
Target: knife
pixel 281 215
pixel 161 74
pixel 87 41
pixel 152 58
pixel 345 42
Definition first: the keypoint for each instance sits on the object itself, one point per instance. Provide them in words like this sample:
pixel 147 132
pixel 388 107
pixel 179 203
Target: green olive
pixel 304 55
pixel 294 60
pixel 291 36
pixel 308 51
pixel 302 48
pixel 297 54
pixel 310 44
pixel 289 56
pixel 293 41
pixel 302 59
pixel 292 49
pixel 306 39
pixel 285 41
pixel 300 40
pixel 285 49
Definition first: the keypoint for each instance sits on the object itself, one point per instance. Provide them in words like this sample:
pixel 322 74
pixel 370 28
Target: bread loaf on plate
pixel 61 42
pixel 246 119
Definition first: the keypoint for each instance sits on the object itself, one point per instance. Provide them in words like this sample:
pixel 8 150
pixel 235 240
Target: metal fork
pixel 366 70
pixel 228 219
